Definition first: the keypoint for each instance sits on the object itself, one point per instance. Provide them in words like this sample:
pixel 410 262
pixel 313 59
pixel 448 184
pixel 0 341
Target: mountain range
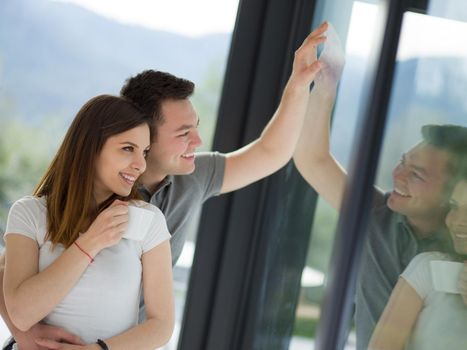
pixel 56 55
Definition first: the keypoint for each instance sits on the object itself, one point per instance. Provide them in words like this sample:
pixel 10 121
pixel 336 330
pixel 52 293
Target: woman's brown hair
pixel 68 182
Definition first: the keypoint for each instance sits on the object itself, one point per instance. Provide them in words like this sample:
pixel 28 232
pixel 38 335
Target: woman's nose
pixel 140 164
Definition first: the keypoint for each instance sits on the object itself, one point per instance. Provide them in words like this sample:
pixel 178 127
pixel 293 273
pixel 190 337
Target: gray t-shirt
pixel 390 246
pixel 180 197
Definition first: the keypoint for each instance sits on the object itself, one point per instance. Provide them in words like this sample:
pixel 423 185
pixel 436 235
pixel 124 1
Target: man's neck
pixel 152 180
pixel 425 227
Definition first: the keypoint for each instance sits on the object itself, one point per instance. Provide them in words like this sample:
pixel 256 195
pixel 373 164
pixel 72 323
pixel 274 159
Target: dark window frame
pixel 231 257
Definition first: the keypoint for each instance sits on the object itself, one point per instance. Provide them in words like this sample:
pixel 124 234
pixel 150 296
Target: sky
pixel 186 17
pixel 420 35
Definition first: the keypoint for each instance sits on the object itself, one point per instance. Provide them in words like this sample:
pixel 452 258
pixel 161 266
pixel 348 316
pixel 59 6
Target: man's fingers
pixel 48 343
pixel 321 29
pixel 61 335
pixel 310 44
pixel 314 68
pixel 318 32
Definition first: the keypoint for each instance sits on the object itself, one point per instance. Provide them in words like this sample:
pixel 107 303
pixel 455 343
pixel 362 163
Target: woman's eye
pixel 128 148
pixel 418 177
pixel 145 153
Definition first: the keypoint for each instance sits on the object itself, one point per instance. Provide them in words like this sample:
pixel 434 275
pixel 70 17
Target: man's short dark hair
pixel 148 89
pixel 449 138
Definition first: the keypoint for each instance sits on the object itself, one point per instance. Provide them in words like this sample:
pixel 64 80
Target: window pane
pixel 417 168
pixel 55 55
pixel 358 42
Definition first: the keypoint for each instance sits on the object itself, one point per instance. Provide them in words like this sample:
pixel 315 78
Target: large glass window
pixel 55 55
pixel 428 87
pixel 358 44
pixel 417 168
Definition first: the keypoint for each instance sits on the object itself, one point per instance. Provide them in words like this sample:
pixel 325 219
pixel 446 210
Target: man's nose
pixel 400 172
pixel 196 139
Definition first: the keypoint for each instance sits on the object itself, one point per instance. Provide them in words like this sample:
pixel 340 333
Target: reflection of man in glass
pixel 424 311
pixel 405 222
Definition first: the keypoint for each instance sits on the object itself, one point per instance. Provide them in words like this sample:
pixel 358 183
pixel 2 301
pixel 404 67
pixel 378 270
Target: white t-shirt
pixel 105 300
pixel 442 322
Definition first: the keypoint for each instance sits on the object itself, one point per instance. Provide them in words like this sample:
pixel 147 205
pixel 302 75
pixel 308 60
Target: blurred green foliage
pixel 25 152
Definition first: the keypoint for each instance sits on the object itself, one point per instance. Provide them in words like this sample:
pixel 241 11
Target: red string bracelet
pixel 89 256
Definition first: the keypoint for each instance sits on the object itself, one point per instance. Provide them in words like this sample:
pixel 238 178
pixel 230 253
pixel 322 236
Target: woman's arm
pixel 158 299
pixel 30 295
pixel 25 340
pixel 399 316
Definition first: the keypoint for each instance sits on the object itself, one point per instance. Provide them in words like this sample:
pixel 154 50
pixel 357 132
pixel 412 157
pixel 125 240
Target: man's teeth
pixel 399 192
pixel 188 155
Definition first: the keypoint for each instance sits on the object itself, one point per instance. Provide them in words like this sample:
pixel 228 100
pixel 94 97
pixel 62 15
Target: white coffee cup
pixel 445 275
pixel 139 222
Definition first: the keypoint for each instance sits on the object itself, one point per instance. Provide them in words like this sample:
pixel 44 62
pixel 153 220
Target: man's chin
pixel 185 171
pixel 394 206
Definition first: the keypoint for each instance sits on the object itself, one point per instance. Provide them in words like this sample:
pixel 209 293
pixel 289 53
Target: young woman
pixel 66 262
pixel 418 317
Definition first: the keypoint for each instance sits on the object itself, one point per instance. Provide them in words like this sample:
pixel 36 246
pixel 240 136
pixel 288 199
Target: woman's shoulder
pixel 429 256
pixel 31 203
pixel 421 262
pixel 145 205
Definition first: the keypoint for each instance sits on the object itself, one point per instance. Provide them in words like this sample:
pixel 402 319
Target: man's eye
pixel 418 177
pixel 453 206
pixel 184 134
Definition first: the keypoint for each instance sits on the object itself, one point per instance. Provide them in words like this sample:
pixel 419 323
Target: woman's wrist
pixel 89 245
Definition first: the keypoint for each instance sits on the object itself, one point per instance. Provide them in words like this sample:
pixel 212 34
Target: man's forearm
pixel 279 138
pixel 312 155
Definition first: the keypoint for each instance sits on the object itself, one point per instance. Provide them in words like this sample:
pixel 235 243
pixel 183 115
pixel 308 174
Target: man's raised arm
pixel 275 147
pixel 312 155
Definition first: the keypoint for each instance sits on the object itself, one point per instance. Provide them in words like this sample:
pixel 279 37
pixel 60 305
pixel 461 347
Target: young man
pixel 178 181
pixel 404 222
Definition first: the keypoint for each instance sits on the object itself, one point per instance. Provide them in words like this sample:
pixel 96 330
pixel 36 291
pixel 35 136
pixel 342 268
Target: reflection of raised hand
pixel 462 284
pixel 333 60
pixel 266 155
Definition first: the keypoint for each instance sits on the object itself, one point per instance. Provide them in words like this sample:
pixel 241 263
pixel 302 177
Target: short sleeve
pixel 22 218
pixel 418 274
pixel 209 170
pixel 158 232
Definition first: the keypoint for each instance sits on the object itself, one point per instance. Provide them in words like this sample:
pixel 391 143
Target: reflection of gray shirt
pixel 181 196
pixel 389 247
